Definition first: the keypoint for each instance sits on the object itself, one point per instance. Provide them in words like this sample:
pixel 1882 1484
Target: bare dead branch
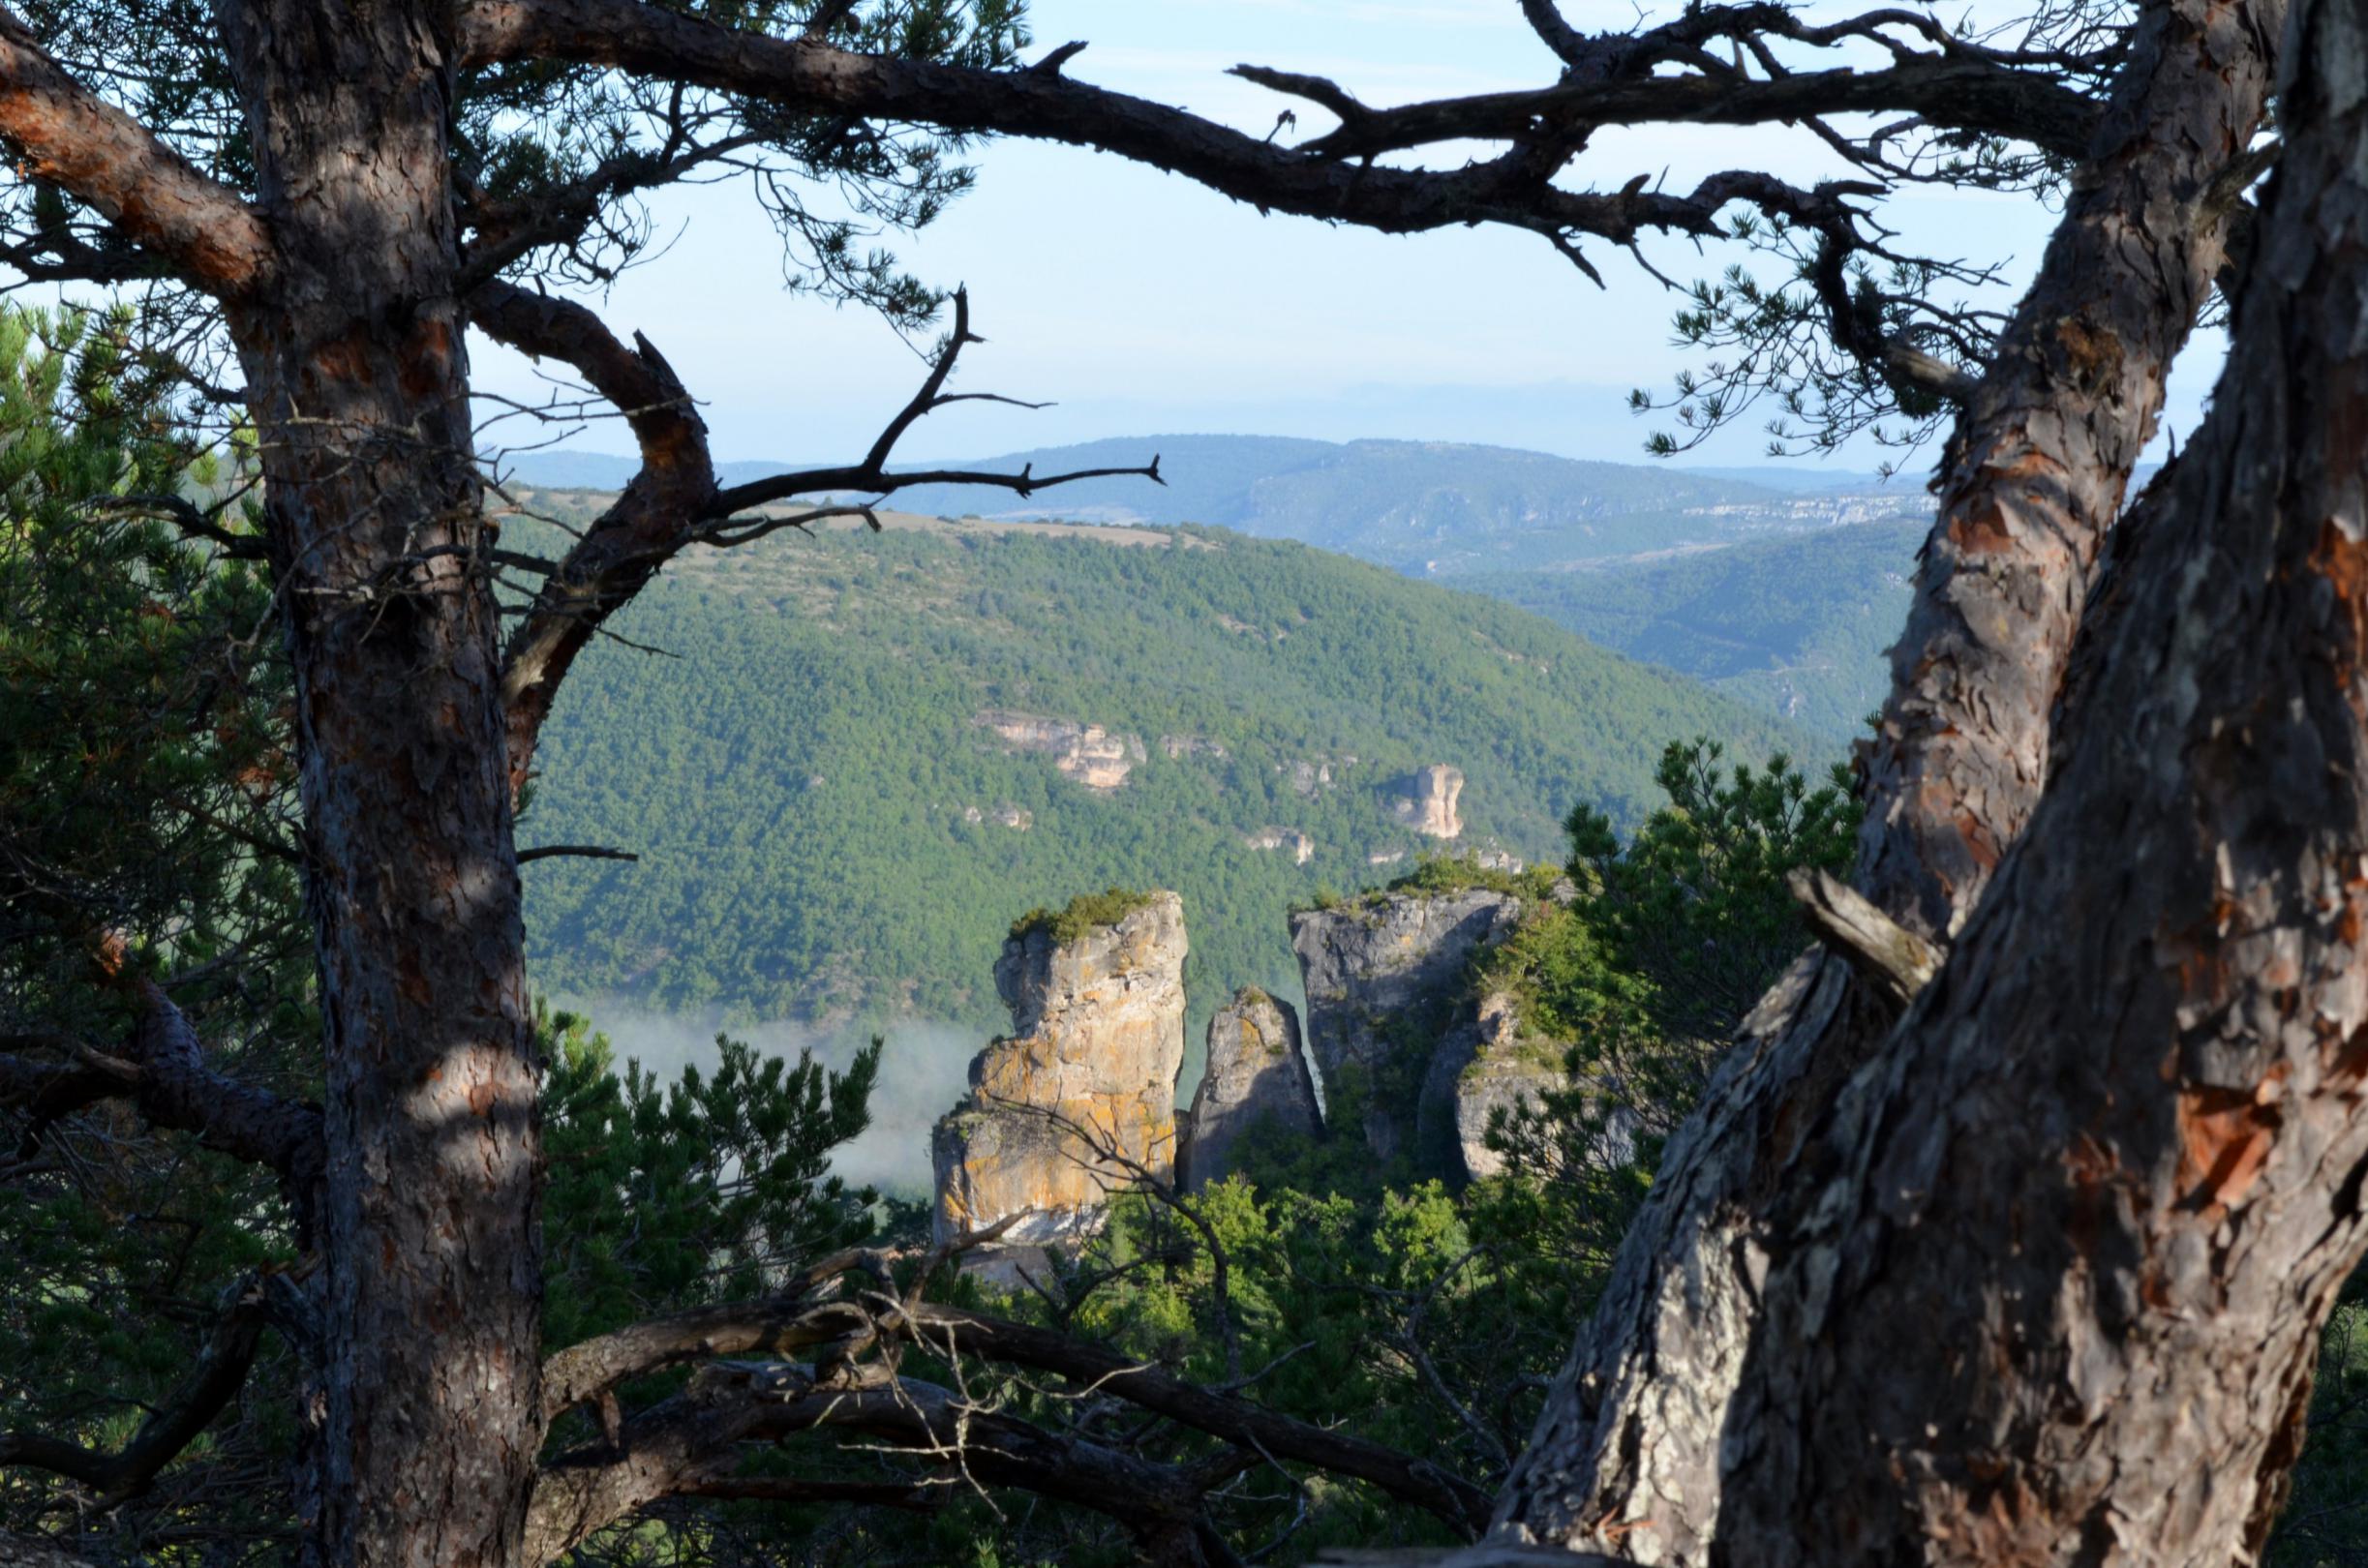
pixel 1967 91
pixel 1429 1487
pixel 581 852
pixel 687 1443
pixel 796 1319
pixel 873 475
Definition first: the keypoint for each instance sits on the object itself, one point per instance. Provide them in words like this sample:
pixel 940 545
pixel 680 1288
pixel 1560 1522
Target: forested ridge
pixel 1783 596
pixel 825 827
pixel 1796 625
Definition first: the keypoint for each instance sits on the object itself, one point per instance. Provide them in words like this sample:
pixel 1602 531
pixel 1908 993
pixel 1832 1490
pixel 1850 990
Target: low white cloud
pixel 923 1070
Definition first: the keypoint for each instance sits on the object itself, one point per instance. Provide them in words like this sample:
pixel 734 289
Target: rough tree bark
pixel 2048 1285
pixel 357 376
pixel 1626 1456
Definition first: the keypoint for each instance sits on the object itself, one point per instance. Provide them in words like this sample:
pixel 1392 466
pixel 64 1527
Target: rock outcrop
pixel 1256 1073
pixel 1302 848
pixel 1095 757
pixel 1482 1067
pixel 1425 801
pixel 1097 999
pixel 1386 980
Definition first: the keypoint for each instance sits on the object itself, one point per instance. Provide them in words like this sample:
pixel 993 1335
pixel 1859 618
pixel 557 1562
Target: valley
pixel 860 757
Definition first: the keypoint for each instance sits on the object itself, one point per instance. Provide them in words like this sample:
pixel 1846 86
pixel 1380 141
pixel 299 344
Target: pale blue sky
pixel 1144 303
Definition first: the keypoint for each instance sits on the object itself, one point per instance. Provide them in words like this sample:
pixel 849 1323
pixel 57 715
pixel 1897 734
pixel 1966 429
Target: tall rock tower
pixel 1387 984
pixel 1097 998
pixel 1256 1073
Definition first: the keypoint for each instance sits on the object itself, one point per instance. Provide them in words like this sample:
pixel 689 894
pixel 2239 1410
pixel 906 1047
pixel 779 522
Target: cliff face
pixel 1302 848
pixel 1482 1067
pixel 1093 756
pixel 1257 1072
pixel 1385 988
pixel 1097 1040
pixel 1425 801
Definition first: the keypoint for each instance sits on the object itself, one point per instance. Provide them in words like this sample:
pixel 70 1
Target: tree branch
pixel 687 1444
pixel 1429 1487
pixel 1513 190
pixel 872 475
pixel 1895 961
pixel 645 528
pixel 672 503
pixel 177 1091
pixel 69 137
pixel 219 1372
pixel 584 852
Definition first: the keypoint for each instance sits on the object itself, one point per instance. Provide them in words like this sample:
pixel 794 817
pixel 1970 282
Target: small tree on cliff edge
pixel 2074 1094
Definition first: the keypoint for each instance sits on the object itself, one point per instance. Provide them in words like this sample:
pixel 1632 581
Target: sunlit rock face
pixel 1483 1065
pixel 1426 799
pixel 1302 848
pixel 1094 756
pixel 1088 1072
pixel 1256 1073
pixel 1385 981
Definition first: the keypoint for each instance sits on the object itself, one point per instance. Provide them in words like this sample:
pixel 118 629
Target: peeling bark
pixel 2048 1287
pixel 1626 1456
pixel 2043 456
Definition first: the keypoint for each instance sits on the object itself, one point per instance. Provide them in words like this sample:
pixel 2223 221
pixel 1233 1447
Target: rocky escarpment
pixel 1095 757
pixel 1387 984
pixel 1256 1073
pixel 1302 848
pixel 1096 993
pixel 1425 801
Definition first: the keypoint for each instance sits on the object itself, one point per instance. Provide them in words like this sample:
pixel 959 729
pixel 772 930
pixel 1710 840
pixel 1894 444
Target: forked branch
pixel 221 1369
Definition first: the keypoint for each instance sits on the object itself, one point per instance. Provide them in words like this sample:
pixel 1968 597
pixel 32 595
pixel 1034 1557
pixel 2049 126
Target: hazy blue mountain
pixel 1812 478
pixel 1796 624
pixel 1426 508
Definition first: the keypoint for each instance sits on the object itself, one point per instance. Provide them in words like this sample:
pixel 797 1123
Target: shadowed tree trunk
pixel 1626 1456
pixel 357 376
pixel 2048 1285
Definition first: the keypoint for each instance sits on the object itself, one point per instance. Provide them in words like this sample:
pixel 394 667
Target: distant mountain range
pixel 1796 625
pixel 1425 508
pixel 1780 585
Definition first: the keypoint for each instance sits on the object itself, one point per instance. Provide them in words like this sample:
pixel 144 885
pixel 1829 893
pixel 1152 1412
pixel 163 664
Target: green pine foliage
pixel 142 796
pixel 717 1187
pixel 1644 973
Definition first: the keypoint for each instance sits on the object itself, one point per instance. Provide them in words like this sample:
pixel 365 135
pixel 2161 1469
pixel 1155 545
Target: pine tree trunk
pixel 358 381
pixel 1627 1455
pixel 2048 1287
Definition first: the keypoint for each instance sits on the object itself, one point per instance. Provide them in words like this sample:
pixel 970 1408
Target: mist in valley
pixel 923 1071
